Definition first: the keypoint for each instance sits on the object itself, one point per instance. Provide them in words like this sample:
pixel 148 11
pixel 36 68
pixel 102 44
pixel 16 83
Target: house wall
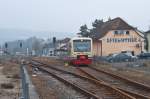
pixel 117 43
pixel 148 38
pixel 97 48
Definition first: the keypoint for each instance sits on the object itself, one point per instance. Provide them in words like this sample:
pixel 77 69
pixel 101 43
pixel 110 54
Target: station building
pixel 116 36
pixel 148 40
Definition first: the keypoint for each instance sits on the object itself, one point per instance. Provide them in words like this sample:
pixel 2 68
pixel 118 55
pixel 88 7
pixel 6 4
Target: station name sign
pixel 122 40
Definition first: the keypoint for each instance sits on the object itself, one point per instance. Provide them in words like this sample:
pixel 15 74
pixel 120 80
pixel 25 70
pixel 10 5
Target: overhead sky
pixel 68 15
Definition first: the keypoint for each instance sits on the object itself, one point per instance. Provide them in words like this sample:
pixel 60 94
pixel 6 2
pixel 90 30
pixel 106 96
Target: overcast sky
pixel 68 15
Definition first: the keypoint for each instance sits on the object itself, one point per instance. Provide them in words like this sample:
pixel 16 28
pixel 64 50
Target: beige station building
pixel 116 36
pixel 148 40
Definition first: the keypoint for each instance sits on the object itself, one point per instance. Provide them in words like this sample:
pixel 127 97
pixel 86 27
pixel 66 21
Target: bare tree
pixel 37 44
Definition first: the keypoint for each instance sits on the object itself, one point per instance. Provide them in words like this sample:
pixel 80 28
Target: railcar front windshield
pixel 82 45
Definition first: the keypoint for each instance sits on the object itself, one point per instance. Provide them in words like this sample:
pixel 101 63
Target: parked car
pixel 144 56
pixel 122 57
pixel 130 54
pixel 110 57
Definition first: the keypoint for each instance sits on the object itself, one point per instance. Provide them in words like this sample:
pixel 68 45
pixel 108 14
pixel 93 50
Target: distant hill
pixel 18 34
pixel 14 46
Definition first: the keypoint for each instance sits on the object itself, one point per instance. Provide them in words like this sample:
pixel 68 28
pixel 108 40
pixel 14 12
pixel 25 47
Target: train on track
pixel 80 51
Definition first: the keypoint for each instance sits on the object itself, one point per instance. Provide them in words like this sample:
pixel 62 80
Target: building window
pixel 127 32
pixel 115 32
pixel 108 40
pixel 121 32
pixel 115 40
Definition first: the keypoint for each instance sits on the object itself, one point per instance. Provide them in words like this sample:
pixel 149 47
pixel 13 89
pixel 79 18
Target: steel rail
pixel 123 78
pixel 136 95
pixel 117 91
pixel 89 94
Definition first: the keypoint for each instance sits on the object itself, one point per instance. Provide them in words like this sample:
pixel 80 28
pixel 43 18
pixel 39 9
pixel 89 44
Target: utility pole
pixel 54 43
pixel 27 51
pixel 1 50
pixel 6 48
pixel 21 47
pixel 20 44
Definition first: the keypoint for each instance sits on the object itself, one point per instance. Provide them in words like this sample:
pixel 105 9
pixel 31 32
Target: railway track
pixel 135 89
pixel 92 88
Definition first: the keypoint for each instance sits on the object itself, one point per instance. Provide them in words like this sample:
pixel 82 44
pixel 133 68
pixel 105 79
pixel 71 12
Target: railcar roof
pixel 75 38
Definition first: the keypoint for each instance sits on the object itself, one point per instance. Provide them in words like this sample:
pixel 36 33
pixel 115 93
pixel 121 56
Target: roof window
pixel 115 32
pixel 127 32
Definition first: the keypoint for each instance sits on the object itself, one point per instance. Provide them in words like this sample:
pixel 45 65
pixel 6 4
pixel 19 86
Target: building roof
pixel 147 31
pixel 65 40
pixel 114 24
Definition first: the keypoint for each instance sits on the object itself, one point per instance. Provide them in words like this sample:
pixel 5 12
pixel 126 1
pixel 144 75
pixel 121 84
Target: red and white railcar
pixel 80 51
